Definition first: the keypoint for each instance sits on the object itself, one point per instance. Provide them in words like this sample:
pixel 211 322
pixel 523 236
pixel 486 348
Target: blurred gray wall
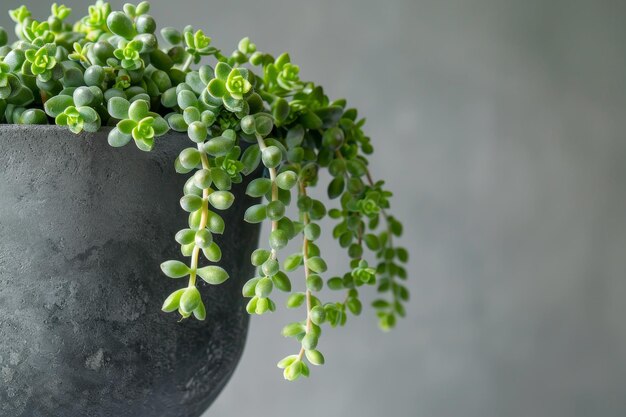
pixel 501 127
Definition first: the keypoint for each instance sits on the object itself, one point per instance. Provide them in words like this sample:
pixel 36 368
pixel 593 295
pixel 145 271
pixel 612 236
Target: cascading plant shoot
pixel 239 111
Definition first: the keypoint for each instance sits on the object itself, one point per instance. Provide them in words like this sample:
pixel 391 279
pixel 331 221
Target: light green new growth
pixel 108 68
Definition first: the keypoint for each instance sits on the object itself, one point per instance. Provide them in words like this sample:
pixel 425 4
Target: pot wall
pixel 83 230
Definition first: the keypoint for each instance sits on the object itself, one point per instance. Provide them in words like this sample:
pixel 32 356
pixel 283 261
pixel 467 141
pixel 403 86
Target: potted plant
pixel 85 226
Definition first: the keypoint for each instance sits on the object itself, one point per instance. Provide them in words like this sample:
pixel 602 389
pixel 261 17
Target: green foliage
pixel 41 61
pixel 248 115
pixel 128 54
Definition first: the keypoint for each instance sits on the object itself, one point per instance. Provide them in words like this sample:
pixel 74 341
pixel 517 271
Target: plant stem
pixel 203 221
pixel 305 257
pixel 273 174
pixel 187 63
pixel 370 181
pixel 392 279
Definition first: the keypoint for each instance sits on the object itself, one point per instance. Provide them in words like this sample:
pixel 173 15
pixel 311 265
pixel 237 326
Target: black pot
pixel 83 230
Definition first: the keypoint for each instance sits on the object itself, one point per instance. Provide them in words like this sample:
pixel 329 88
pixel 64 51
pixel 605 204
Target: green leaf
pixel 126 126
pixel 138 110
pixel 259 256
pixel 293 329
pixel 222 70
pixel 316 264
pixel 189 158
pixel 255 214
pixel 252 304
pixel 221 200
pixel 293 371
pixel 251 159
pixel 271 156
pixel 295 135
pixel 169 98
pixel 3 37
pixel 337 167
pixel 309 341
pixel 83 96
pixel 263 124
pixel 203 238
pixel 336 187
pixel 281 281
pixel 88 114
pixel 295 300
pixel 276 210
pixel 190 300
pixel 312 231
pixel 380 304
pixel 317 210
pixel 57 105
pixel 186 98
pixel 310 120
pixel 215 223
pixel 172 35
pixel 213 274
pixel 278 239
pixel 33 117
pixel 335 283
pixel 213 253
pixel 177 122
pixel 372 241
pixel 286 180
pixel 22 96
pixel 92 126
pixel 264 287
pixel 118 107
pixel 121 25
pixel 270 267
pixel 185 236
pixel 200 311
pixel 219 146
pixel 197 130
pixel 160 126
pixel 191 203
pixel 249 287
pixel 232 104
pixel 314 283
pixel 221 179
pixel 248 125
pixel 285 362
pixel 181 169
pixel 217 88
pixel 333 138
pixel 262 305
pixel 318 315
pixel 117 138
pixel 130 10
pixel 175 269
pixel 195 217
pixel 144 144
pixel 172 302
pixel 402 254
pixel 354 305
pixel 202 178
pixel 315 357
pixel 292 262
pixel 280 110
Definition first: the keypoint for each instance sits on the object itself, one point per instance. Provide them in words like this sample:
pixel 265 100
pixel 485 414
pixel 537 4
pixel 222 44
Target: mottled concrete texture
pixel 84 228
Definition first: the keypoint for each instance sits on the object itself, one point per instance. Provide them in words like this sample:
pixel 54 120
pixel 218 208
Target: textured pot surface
pixel 83 230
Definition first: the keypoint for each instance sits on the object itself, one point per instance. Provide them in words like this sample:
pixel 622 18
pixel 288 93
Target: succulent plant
pixel 249 114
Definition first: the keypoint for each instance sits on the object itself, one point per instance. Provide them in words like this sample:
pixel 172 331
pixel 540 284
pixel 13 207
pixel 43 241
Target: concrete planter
pixel 83 229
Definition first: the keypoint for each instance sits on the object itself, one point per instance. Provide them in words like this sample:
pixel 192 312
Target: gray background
pixel 500 125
